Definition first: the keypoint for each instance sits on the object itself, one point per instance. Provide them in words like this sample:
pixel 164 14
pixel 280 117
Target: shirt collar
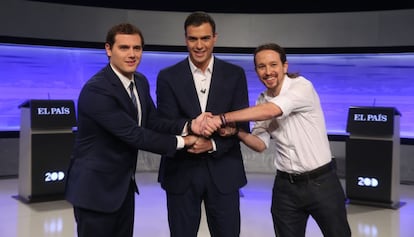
pixel 125 80
pixel 209 67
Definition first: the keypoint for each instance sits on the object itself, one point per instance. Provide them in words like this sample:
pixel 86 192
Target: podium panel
pixel 368 171
pixel 372 166
pixel 49 170
pixel 373 121
pixel 46 142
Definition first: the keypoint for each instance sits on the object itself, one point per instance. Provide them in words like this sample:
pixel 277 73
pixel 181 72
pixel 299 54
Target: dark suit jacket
pixel 177 99
pixel 108 138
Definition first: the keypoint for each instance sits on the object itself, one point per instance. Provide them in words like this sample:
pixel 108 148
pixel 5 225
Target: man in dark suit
pixel 212 170
pixel 111 128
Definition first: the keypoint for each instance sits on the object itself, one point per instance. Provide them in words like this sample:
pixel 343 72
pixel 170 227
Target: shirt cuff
pixel 180 142
pixel 185 130
pixel 213 143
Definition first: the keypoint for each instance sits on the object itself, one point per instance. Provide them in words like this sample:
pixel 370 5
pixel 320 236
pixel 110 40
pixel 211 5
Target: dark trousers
pixel 222 210
pixel 321 197
pixel 100 224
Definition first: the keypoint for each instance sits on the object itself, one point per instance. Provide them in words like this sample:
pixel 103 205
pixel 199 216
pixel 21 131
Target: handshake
pixel 201 128
pixel 207 123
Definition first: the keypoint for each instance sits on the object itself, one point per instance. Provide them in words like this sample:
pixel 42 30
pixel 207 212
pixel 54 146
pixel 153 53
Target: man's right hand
pixel 199 125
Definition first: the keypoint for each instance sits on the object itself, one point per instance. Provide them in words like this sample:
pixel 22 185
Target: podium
pixel 45 147
pixel 373 156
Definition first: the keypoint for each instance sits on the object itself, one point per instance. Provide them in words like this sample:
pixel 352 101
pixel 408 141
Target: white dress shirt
pixel 300 134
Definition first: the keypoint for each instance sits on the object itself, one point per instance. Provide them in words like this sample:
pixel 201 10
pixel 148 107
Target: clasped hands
pixel 201 128
pixel 207 123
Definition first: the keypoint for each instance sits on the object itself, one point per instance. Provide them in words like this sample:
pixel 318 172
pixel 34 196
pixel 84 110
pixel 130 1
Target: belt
pixel 294 178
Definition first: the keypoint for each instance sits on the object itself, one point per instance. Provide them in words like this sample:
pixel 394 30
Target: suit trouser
pixel 222 210
pixel 101 224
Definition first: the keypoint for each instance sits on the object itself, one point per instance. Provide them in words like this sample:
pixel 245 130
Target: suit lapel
pixel 120 92
pixel 214 92
pixel 188 89
pixel 142 99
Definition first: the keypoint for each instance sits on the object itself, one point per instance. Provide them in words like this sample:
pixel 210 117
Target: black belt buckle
pixel 294 178
pixel 291 179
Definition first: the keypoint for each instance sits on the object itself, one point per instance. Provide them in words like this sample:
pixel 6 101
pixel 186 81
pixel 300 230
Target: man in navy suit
pixel 212 170
pixel 111 128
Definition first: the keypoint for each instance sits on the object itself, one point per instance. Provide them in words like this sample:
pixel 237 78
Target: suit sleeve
pixel 108 111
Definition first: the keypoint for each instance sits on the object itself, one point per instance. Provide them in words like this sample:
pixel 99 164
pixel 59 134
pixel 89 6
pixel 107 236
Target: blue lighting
pixel 342 80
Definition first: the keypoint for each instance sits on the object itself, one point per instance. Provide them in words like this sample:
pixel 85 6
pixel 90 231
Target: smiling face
pixel 125 54
pixel 200 42
pixel 271 70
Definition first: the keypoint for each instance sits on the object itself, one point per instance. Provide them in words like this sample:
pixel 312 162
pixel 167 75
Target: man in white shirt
pixel 289 112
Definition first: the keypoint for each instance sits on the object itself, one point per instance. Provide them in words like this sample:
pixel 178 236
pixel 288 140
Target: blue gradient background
pixel 342 80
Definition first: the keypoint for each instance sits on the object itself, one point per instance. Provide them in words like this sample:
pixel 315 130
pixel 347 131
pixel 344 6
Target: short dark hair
pixel 198 18
pixel 123 28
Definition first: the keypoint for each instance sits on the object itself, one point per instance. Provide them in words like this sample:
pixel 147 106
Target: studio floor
pixel 55 218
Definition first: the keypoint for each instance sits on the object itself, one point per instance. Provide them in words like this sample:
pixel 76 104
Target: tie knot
pixel 131 85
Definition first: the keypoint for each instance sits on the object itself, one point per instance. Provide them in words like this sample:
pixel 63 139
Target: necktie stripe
pixel 133 98
pixel 135 101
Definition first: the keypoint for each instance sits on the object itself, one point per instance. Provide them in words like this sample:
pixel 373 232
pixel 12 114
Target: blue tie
pixel 133 98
